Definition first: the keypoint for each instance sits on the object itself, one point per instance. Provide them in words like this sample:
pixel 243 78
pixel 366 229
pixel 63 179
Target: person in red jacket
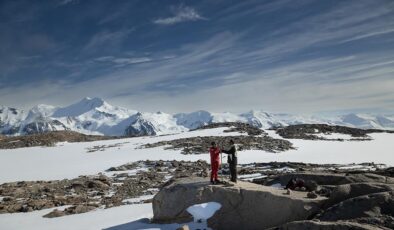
pixel 214 151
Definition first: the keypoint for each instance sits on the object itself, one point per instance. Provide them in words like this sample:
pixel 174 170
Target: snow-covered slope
pixel 153 124
pixel 193 120
pixel 10 120
pixel 95 116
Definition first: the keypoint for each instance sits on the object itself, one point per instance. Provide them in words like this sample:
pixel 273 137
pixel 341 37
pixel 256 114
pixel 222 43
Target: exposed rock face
pixel 309 131
pixel 320 225
pixel 200 145
pixel 47 139
pixel 244 206
pixel 325 178
pixel 70 211
pixel 140 127
pixel 43 126
pixel 347 191
pixel 371 205
pixel 236 127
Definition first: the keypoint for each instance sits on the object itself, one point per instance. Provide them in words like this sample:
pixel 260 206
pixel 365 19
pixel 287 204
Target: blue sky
pixel 281 56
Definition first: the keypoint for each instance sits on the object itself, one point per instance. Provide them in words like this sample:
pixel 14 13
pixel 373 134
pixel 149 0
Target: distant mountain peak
pixel 85 105
pixel 95 101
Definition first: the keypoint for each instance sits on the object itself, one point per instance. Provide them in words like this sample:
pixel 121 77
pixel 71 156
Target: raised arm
pixel 230 151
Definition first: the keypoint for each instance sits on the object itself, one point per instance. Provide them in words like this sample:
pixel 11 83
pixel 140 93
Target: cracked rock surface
pixel 244 205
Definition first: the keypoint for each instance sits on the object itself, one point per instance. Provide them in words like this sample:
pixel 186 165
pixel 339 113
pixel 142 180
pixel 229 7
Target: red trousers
pixel 214 170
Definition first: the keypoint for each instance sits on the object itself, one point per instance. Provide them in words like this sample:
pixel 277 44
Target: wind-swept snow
pixel 125 217
pixel 69 160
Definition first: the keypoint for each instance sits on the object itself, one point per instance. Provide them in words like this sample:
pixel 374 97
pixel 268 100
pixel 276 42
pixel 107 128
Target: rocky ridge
pixel 255 139
pixel 311 131
pixel 47 139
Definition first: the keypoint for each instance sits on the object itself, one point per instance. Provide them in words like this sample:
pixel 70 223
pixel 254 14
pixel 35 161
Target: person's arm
pixel 231 150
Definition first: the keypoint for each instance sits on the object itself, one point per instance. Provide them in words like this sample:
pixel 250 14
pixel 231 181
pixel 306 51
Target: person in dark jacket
pixel 214 151
pixel 232 160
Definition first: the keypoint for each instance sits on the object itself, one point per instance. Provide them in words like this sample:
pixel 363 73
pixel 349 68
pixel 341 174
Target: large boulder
pixel 347 191
pixel 371 205
pixel 244 205
pixel 322 225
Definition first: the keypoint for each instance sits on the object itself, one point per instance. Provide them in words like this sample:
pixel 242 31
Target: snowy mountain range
pixel 95 116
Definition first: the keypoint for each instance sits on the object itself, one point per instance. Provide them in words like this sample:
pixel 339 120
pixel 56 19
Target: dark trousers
pixel 233 170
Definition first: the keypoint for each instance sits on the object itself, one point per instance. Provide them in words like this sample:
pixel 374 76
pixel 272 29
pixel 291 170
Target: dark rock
pixel 320 225
pixel 327 178
pixel 347 191
pixel 311 195
pixel 54 213
pixel 371 205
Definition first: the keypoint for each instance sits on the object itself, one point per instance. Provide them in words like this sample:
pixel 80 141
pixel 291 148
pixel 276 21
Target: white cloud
pixel 104 58
pixel 126 61
pixel 227 72
pixel 107 38
pixel 181 14
pixel 122 61
pixel 371 34
pixel 65 2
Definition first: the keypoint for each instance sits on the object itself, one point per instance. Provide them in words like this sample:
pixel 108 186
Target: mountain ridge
pixel 96 116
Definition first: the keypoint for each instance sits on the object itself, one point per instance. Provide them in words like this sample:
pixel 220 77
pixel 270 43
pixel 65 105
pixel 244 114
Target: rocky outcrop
pixel 47 139
pixel 348 191
pixel 244 205
pixel 200 145
pixel 371 205
pixel 140 127
pixel 338 201
pixel 236 127
pixel 309 131
pixel 327 178
pixel 321 225
pixel 43 126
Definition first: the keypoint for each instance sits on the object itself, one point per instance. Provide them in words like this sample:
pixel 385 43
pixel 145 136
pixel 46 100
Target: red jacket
pixel 214 152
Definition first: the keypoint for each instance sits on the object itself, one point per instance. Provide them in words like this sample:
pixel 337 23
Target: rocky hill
pixel 47 139
pixel 255 139
pixel 312 131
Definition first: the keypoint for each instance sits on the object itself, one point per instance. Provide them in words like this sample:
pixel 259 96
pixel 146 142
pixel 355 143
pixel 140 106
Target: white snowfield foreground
pixel 70 160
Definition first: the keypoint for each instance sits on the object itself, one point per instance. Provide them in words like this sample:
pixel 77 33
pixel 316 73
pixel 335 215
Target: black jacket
pixel 232 155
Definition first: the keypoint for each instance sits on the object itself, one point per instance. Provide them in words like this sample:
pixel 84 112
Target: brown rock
pixel 54 213
pixel 243 205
